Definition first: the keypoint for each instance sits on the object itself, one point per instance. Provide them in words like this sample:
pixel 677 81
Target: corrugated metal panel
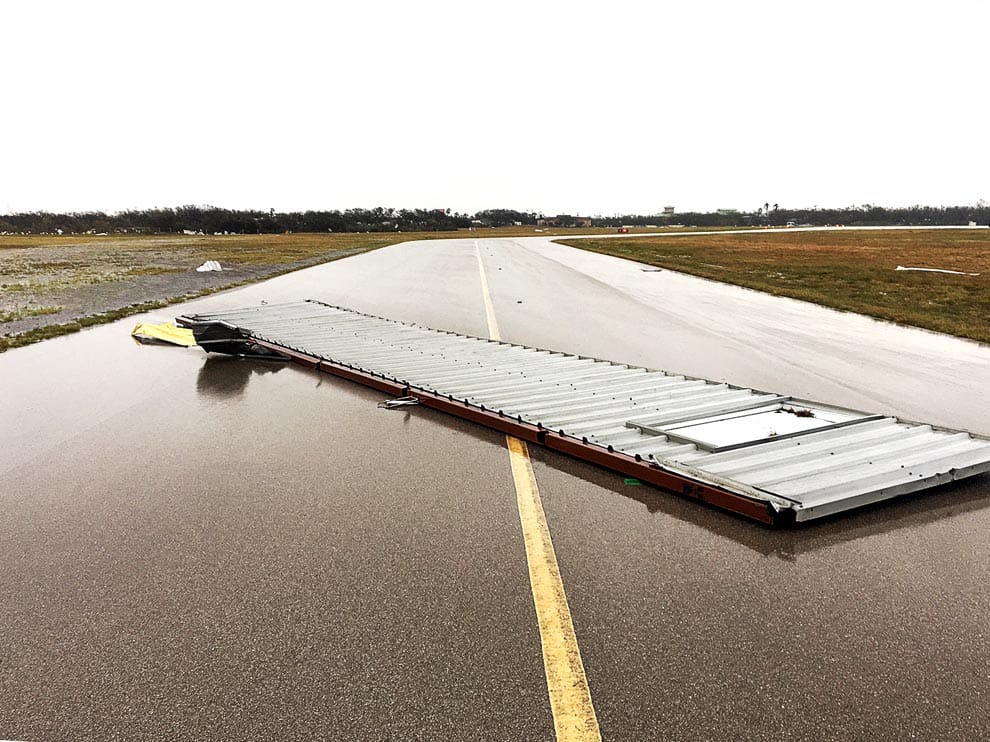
pixel 792 455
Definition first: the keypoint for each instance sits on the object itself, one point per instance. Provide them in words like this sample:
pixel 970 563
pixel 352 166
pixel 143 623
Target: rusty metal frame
pixel 632 466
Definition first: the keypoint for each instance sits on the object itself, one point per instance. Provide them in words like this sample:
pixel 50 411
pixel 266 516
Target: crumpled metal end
pixel 391 404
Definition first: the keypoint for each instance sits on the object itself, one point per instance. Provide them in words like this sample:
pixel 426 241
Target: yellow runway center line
pixel 570 698
pixel 574 718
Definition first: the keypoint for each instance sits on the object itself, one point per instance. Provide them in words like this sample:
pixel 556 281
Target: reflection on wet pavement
pixel 226 376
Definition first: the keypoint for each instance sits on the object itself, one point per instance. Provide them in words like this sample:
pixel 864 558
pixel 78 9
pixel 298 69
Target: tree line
pixel 214 220
pixel 854 216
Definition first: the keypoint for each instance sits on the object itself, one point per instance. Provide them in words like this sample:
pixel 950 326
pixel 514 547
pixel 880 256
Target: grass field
pixel 846 269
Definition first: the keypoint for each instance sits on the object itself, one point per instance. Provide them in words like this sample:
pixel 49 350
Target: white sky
pixel 577 107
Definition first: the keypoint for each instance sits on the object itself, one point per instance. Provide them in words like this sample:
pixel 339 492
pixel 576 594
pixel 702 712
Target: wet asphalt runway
pixel 198 548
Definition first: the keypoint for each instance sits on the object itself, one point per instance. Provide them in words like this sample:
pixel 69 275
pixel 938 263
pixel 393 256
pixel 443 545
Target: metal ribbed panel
pixel 810 458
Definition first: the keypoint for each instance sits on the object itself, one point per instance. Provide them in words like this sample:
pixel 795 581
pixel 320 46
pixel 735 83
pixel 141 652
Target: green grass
pixel 25 312
pixel 848 269
pixel 150 270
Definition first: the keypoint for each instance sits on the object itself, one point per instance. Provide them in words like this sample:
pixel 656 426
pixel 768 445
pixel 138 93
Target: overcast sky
pixel 586 108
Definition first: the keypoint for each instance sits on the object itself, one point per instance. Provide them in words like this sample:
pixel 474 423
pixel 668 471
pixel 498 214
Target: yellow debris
pixel 163 333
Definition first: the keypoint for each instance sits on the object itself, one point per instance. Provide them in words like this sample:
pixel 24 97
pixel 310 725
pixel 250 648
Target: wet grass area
pixel 849 270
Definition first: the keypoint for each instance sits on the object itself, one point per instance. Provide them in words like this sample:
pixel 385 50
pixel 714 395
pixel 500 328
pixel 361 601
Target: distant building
pixel 727 212
pixel 668 211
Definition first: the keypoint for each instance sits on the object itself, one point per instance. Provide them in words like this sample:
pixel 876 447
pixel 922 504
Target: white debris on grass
pixel 936 270
pixel 209 265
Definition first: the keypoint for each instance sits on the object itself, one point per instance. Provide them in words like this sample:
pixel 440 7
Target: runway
pixel 201 547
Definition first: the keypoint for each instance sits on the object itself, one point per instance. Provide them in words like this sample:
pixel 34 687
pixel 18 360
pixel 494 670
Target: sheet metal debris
pixel 391 404
pixel 163 334
pixel 768 456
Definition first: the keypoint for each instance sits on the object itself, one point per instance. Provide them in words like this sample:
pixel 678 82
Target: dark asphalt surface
pixel 201 548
